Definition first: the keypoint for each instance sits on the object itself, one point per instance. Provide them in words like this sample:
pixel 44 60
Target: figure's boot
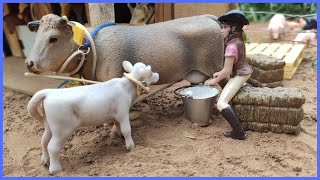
pixel 237 130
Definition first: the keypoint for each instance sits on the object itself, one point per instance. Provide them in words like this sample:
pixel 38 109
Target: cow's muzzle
pixel 31 67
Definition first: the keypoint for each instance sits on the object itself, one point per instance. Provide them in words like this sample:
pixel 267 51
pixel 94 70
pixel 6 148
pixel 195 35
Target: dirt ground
pixel 160 132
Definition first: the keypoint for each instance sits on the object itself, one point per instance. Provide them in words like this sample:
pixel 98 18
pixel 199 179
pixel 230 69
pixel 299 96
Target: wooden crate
pixel 290 53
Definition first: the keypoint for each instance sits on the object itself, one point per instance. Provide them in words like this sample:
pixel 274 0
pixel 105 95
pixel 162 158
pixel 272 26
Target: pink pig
pixel 293 25
pixel 276 26
pixel 307 37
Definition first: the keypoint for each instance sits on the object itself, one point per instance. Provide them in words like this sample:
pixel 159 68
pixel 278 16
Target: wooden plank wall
pixel 192 9
pixel 163 12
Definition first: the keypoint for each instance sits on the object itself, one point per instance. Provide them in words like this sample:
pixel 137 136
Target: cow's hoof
pixel 54 170
pixel 45 160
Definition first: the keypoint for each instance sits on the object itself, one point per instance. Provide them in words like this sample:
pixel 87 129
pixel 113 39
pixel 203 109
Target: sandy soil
pixel 160 132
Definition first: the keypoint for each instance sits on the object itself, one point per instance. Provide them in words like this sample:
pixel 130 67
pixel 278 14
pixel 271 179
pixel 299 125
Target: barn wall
pixel 191 9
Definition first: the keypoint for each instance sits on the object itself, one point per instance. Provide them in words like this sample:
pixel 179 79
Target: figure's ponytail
pixel 244 36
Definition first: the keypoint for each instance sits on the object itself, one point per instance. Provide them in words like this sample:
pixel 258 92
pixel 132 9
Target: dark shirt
pixel 235 47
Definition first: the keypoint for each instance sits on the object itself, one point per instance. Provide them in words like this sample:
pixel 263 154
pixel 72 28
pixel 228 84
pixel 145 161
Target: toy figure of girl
pixel 235 67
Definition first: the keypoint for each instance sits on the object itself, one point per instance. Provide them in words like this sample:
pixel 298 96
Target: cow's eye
pixel 53 40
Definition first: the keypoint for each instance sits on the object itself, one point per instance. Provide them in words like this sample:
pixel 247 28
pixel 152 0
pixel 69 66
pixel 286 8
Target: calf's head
pixel 53 44
pixel 141 72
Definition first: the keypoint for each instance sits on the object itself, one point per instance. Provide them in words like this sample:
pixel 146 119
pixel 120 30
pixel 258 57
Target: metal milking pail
pixel 197 102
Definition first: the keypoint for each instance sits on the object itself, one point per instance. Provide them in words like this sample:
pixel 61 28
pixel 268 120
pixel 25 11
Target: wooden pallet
pixel 290 53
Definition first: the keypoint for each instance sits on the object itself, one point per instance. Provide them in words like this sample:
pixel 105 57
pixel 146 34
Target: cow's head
pixel 53 44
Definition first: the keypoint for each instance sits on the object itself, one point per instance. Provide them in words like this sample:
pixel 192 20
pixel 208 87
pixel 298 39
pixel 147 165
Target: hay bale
pixel 276 128
pixel 270 97
pixel 269 115
pixel 265 62
pixel 256 83
pixel 267 76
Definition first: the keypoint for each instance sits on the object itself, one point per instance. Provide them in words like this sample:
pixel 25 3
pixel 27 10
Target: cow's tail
pixel 33 105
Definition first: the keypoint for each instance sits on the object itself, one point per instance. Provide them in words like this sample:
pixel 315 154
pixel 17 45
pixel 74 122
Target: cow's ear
pixel 62 22
pixel 33 26
pixel 127 66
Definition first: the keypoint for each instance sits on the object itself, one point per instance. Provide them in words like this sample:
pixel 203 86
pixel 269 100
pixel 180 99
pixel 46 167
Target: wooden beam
pixel 13 39
pixel 168 11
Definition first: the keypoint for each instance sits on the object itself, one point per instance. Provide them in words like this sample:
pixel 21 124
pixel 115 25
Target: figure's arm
pixel 224 73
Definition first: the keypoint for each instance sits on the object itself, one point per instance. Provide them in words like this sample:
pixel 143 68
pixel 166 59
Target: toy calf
pixel 65 110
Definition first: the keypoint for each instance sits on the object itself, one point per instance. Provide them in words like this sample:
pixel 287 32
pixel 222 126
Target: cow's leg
pixel 126 131
pixel 115 131
pixel 45 160
pixel 60 135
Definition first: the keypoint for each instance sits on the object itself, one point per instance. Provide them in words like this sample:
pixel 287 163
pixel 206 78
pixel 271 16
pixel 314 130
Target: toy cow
pixel 190 48
pixel 65 110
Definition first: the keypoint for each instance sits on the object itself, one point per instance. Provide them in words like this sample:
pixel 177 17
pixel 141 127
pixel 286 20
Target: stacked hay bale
pixel 267 71
pixel 270 109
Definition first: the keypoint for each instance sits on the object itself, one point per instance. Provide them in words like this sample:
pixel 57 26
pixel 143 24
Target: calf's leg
pixel 60 135
pixel 115 131
pixel 45 160
pixel 126 131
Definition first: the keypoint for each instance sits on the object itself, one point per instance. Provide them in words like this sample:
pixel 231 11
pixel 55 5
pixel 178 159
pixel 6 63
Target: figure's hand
pixel 213 81
pixel 216 74
pixel 210 82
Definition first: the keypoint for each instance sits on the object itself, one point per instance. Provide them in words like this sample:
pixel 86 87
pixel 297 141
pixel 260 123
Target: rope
pixel 285 32
pixel 71 58
pixel 140 87
pixel 95 31
pixel 28 74
pixel 290 15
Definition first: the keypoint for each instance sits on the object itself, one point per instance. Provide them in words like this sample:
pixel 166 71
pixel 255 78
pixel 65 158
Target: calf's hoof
pixel 45 160
pixel 130 145
pixel 54 170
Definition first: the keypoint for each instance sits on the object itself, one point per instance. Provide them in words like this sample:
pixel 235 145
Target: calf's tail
pixel 33 104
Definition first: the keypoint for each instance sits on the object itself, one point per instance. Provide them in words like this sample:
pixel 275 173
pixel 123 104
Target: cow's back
pixel 171 48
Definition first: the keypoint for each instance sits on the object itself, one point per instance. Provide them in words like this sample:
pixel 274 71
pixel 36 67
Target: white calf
pixel 67 109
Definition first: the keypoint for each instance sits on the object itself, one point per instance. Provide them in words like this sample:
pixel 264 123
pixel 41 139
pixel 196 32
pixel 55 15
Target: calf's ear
pixel 155 77
pixel 127 66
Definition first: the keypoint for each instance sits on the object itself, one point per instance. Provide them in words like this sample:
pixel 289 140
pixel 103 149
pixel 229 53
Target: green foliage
pixel 288 8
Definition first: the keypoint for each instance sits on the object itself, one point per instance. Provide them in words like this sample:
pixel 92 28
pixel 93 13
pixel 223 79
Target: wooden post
pixel 164 12
pixel 13 39
pixel 101 13
pixel 87 13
